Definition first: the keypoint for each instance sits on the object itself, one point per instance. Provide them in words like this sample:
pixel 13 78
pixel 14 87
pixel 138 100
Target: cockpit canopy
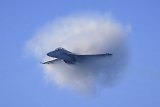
pixel 60 48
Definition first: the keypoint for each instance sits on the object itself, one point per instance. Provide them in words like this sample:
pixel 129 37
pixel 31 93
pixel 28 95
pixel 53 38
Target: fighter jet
pixel 69 57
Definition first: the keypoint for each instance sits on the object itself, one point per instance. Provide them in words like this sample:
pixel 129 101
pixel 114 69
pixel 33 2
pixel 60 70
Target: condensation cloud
pixel 83 34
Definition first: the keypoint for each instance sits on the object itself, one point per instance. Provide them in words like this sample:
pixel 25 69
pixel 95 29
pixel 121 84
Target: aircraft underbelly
pixel 69 59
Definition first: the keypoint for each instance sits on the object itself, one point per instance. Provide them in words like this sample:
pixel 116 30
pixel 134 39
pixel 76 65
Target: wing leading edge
pixel 83 58
pixel 94 55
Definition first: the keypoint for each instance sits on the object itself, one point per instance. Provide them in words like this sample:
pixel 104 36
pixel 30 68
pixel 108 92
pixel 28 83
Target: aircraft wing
pixel 94 55
pixel 51 62
pixel 91 57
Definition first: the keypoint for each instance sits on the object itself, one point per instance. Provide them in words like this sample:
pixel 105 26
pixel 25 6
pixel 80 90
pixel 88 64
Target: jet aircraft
pixel 69 57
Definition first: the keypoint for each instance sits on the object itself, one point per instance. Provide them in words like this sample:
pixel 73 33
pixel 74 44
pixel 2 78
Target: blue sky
pixel 22 81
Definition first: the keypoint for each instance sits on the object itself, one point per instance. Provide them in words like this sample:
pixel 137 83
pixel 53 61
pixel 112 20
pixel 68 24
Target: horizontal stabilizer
pixel 50 62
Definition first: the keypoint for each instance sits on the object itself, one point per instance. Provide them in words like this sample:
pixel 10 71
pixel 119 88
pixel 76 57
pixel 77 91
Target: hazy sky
pixel 22 81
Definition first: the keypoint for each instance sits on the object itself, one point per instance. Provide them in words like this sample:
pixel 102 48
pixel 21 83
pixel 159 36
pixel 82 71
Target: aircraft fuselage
pixel 65 55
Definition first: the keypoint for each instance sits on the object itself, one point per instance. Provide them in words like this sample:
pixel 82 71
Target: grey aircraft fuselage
pixel 69 57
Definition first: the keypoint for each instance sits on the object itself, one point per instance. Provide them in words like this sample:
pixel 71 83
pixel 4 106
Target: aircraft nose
pixel 49 54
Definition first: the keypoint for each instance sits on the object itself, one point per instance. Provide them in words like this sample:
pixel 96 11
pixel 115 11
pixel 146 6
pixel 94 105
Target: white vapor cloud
pixel 83 34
